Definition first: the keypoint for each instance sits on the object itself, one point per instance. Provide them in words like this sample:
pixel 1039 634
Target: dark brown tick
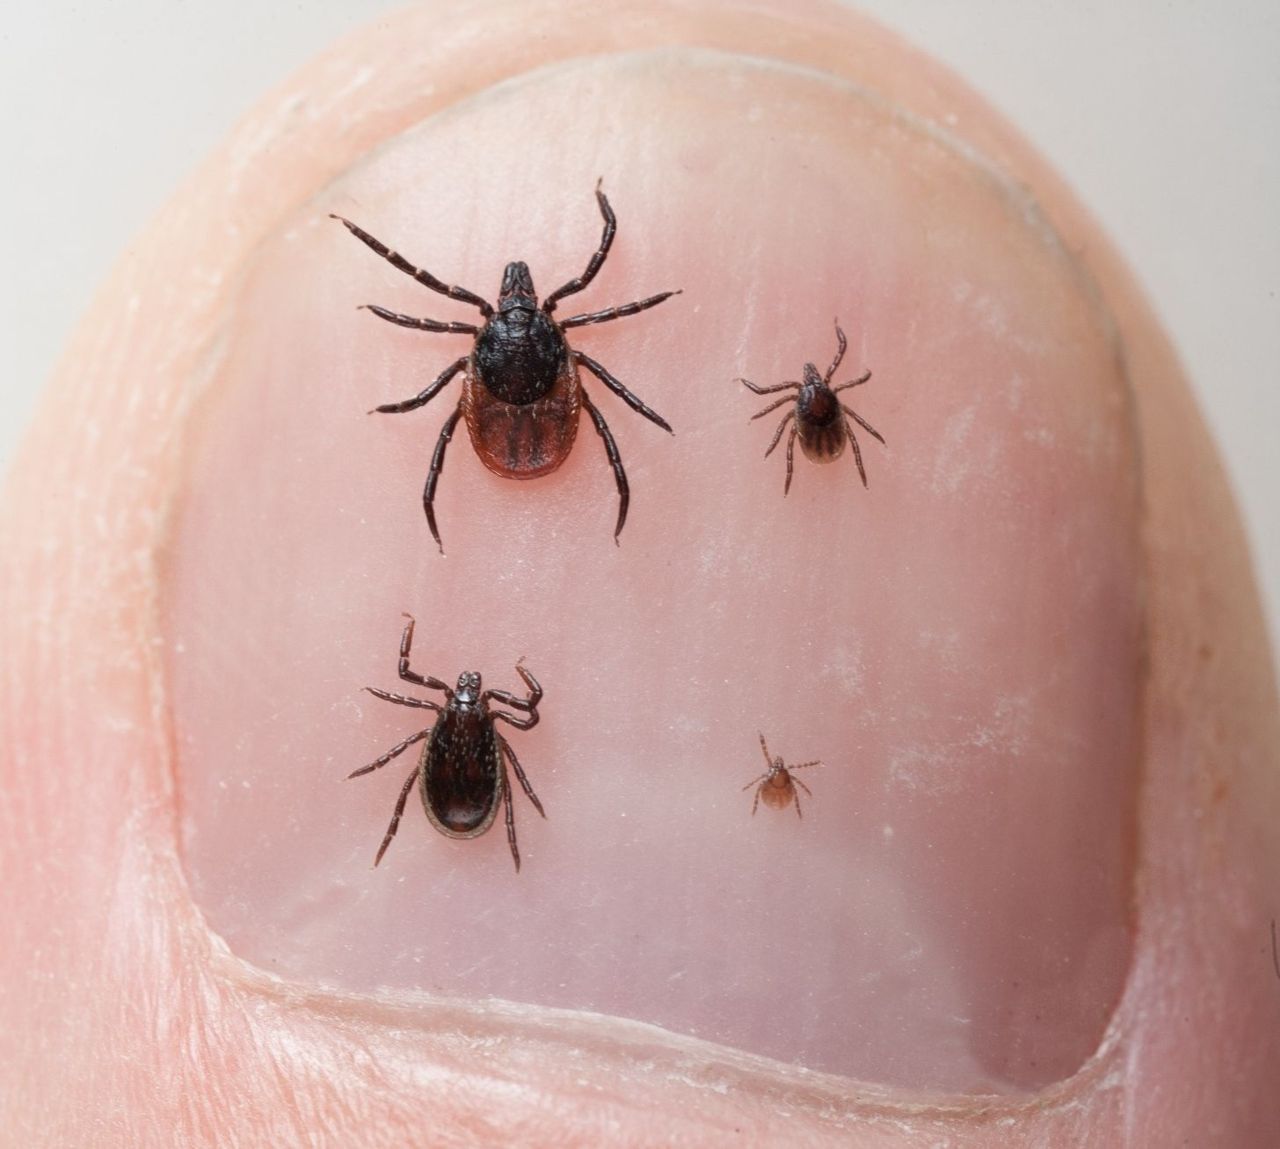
pixel 461 771
pixel 819 419
pixel 521 394
pixel 776 786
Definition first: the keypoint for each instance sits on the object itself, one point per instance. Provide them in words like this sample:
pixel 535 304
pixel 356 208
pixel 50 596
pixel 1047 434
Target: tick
pixel 776 785
pixel 817 417
pixel 521 390
pixel 461 772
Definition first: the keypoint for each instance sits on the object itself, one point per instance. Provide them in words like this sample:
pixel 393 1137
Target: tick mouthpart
pixel 468 689
pixel 811 376
pixel 517 287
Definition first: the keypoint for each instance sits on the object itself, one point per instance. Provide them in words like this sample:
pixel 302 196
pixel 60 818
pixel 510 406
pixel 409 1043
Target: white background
pixel 1164 115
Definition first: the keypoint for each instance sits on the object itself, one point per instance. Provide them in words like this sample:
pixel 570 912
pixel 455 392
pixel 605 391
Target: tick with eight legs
pixel 521 393
pixel 776 785
pixel 462 771
pixel 817 417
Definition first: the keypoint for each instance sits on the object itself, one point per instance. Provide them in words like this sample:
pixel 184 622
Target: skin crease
pixel 126 1021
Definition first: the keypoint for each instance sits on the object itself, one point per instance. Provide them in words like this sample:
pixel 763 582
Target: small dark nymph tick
pixel 462 770
pixel 521 393
pixel 817 416
pixel 776 786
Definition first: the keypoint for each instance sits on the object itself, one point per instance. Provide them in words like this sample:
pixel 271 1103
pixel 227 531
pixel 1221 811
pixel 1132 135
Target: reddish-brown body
pixel 776 787
pixel 820 424
pixel 523 441
pixel 778 790
pixel 521 393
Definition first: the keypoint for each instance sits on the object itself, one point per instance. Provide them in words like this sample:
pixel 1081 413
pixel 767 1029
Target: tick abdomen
pixel 461 783
pixel 818 419
pixel 522 440
pixel 777 792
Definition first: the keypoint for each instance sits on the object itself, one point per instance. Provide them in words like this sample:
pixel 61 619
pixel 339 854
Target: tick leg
pixel 861 422
pixel 755 801
pixel 615 461
pixel 597 258
pixel 424 397
pixel 778 433
pixel 618 312
pixel 433 475
pixel 853 441
pixel 535 691
pixel 842 345
pixel 395 818
pixel 406 645
pixel 857 452
pixel 796 798
pixel 383 759
pixel 764 746
pixel 774 406
pixel 425 278
pixel 401 699
pixel 528 705
pixel 524 782
pixel 421 324
pixel 519 723
pixel 791 453
pixel 509 699
pixel 766 390
pixel 801 784
pixel 755 781
pixel 620 391
pixel 858 382
pixel 509 813
pixel 804 765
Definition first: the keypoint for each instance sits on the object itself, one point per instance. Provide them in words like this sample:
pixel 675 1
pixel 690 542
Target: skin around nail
pixel 895 651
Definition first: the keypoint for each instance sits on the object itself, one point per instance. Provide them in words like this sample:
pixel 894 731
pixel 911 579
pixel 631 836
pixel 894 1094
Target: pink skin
pixel 1028 902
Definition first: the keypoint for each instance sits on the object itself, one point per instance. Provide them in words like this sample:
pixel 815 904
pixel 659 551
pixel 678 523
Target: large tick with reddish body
pixel 817 417
pixel 521 394
pixel 461 771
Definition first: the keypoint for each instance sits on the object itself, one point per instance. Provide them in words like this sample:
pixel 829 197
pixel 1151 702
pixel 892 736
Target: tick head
pixel 816 404
pixel 777 771
pixel 468 686
pixel 517 288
